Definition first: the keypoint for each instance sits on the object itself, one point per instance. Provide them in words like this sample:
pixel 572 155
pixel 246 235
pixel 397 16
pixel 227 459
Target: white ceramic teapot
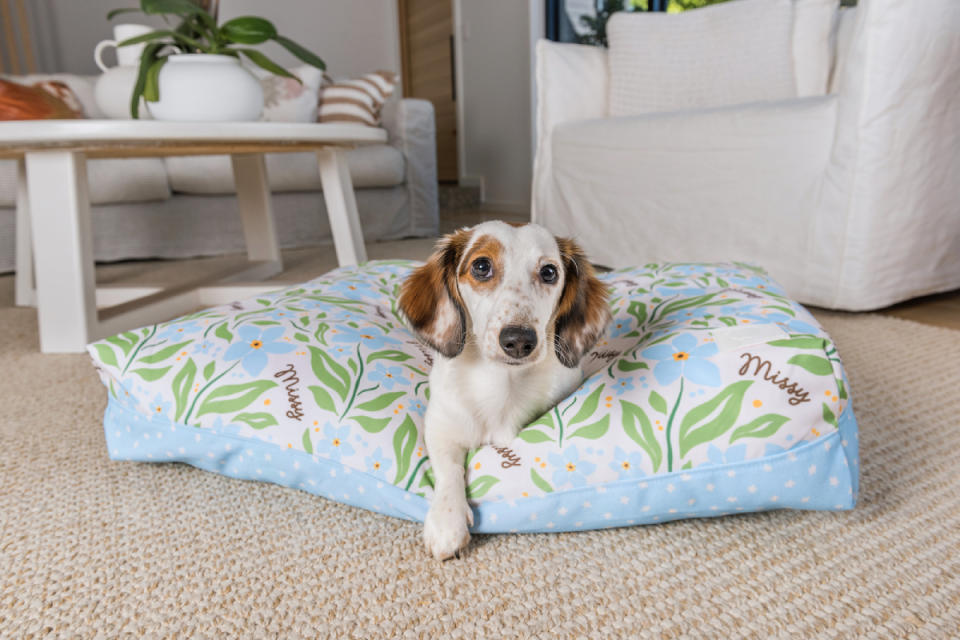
pixel 114 88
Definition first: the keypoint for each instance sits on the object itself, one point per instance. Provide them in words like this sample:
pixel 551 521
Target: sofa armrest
pixel 411 129
pixel 733 183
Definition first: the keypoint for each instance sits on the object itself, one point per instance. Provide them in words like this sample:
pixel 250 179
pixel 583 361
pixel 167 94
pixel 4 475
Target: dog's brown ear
pixel 582 312
pixel 430 299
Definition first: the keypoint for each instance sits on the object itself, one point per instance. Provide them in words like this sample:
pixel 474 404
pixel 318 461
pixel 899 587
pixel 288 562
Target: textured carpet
pixel 94 548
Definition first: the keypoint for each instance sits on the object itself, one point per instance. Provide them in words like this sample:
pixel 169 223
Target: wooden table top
pixel 125 138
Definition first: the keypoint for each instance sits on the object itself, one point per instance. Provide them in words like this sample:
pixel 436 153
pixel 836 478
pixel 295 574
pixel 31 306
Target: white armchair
pixel 850 200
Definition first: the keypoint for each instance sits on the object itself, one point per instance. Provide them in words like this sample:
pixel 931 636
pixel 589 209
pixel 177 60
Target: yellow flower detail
pixel 571 466
pixel 256 344
pixel 336 442
pixel 625 465
pixel 681 355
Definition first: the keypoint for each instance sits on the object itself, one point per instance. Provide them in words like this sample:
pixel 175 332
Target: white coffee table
pixel 55 267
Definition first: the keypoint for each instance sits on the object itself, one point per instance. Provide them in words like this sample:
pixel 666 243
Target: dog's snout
pixel 518 342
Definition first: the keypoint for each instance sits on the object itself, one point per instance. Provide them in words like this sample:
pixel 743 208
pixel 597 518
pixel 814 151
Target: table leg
pixel 63 249
pixel 24 287
pixel 256 214
pixel 341 207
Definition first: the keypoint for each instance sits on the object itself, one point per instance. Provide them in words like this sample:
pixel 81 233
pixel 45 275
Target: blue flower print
pixel 370 336
pixel 388 377
pixel 335 442
pixel 206 347
pixel 354 289
pixel 627 464
pixel 734 454
pixel 684 292
pixel 772 450
pixel 620 327
pixel 158 407
pixel 378 464
pixel 218 426
pixel 691 313
pixel 570 469
pixel 254 345
pixel 683 357
pixel 622 385
pixel 415 406
pixel 177 331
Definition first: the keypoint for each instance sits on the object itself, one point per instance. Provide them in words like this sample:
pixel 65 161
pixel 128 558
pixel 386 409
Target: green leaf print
pixel 801 342
pixel 323 398
pixel 164 353
pixel 657 402
pixel 256 420
pixel 828 416
pixel 307 444
pixel 533 436
pixel 126 341
pixel 151 375
pixel 224 333
pixel 814 364
pixel 546 420
pixel 481 486
pixel 713 418
pixel 389 354
pixel 329 372
pixel 234 397
pixel 588 407
pixel 404 444
pixel 182 382
pixel 638 310
pixel 426 480
pixel 842 389
pixel 645 437
pixel 371 425
pixel 593 431
pixel 208 370
pixel 107 356
pixel 763 427
pixel 301 337
pixel 626 365
pixel 380 402
pixel 538 480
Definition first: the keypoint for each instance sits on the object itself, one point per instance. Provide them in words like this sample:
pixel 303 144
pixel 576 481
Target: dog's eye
pixel 481 268
pixel 548 273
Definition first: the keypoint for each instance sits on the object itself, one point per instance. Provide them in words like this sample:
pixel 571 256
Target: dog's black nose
pixel 518 342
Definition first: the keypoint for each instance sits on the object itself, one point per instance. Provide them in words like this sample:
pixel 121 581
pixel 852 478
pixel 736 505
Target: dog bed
pixel 712 393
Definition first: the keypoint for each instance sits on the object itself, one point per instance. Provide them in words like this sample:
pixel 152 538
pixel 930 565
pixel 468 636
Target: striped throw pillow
pixel 356 100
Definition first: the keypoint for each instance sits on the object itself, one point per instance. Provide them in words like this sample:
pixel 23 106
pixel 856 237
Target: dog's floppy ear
pixel 582 311
pixel 430 299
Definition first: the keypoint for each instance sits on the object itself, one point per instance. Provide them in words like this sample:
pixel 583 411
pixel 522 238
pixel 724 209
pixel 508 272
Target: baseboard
pixel 476 182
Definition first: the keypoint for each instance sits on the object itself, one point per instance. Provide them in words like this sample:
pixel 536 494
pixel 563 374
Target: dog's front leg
pixel 445 530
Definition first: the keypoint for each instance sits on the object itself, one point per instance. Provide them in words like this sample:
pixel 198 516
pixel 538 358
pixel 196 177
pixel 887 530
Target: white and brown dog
pixel 510 311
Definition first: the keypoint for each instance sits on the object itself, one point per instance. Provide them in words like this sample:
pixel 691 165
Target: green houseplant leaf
pixel 248 30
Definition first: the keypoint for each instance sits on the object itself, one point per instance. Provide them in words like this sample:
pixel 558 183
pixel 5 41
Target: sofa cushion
pixel 730 53
pixel 370 166
pixel 111 180
pixel 712 393
pixel 814 44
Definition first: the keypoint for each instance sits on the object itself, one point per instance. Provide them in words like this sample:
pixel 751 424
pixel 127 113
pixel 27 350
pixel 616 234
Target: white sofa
pixel 850 199
pixel 181 207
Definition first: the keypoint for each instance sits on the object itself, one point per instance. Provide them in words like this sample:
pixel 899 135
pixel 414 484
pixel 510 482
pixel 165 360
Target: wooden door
pixel 426 43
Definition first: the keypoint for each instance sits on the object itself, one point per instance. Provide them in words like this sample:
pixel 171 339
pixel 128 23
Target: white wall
pixel 494 91
pixel 351 36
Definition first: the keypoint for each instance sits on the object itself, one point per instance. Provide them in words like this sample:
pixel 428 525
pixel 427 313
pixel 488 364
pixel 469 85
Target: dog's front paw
pixel 445 529
pixel 503 437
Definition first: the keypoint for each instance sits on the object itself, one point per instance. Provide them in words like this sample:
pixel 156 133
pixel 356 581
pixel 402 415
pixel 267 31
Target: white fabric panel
pixel 814 25
pixel 111 180
pixel 571 85
pixel 370 166
pixel 411 128
pixel 843 37
pixel 726 184
pixel 894 170
pixel 725 54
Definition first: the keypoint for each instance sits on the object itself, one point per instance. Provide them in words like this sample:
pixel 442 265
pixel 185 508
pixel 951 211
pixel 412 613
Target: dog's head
pixel 516 291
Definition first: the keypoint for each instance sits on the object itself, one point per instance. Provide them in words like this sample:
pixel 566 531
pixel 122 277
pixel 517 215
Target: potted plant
pixel 193 71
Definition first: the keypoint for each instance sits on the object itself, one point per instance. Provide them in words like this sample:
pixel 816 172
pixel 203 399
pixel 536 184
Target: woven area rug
pixel 94 548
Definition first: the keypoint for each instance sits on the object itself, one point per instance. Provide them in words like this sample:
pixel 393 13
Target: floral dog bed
pixel 712 393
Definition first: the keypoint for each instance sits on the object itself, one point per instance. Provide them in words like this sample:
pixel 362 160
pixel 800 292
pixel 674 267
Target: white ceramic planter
pixel 201 87
pixel 115 86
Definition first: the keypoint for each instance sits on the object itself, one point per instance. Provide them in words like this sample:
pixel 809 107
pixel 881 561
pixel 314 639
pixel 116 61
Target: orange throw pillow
pixel 43 101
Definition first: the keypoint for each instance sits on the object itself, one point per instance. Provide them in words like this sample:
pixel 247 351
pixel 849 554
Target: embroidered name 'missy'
pixel 798 394
pixel 291 380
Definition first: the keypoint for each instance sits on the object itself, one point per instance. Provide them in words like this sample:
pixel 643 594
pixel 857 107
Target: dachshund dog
pixel 509 311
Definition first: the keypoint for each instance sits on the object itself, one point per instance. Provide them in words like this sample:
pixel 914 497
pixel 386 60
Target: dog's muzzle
pixel 518 342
